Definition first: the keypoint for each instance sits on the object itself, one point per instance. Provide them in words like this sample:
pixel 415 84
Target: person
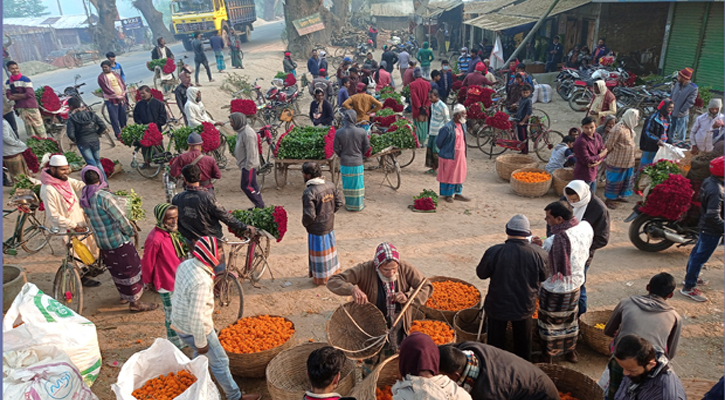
pixel 647 316
pixel 289 66
pixel 408 78
pixel 6 53
pixel 161 50
pixel 514 378
pixel 524 109
pixel 387 282
pixel 710 229
pixel 707 128
pixel 84 128
pixel 418 364
pixel 321 110
pixel 217 45
pixel 313 64
pixel 323 61
pixel 373 34
pixel 441 40
pixel 180 91
pixel 369 65
pixel 600 51
pixel 647 372
pixel 114 96
pixel 344 92
pixel 684 94
pixel 475 60
pixel 113 232
pixel 425 56
pixel 717 392
pixel 513 95
pixel 446 82
pixel 435 77
pixel 363 104
pixel 235 45
pixel 390 59
pixel 510 73
pixel 209 169
pixel 589 151
pixel 194 109
pixel 585 58
pixel 654 132
pixel 322 83
pixel 324 366
pixel 351 144
pixel 164 250
pixel 439 116
pixel 200 58
pixel 606 126
pixel 246 152
pixel 489 75
pixel 116 67
pixel 516 269
pixel 9 111
pixel 382 77
pixel 452 165
pixel 568 247
pixel 20 90
pixel 420 105
pixel 572 58
pixel 521 69
pixel 150 109
pixel 477 77
pixel 403 64
pixel 343 71
pixel 320 202
pixel 354 78
pixel 553 54
pixel 620 159
pixel 13 149
pixel 464 61
pixel 485 48
pixel 191 312
pixel 603 103
pixel 562 156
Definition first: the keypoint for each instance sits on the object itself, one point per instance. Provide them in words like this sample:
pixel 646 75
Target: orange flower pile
pixel 536 313
pixel 385 394
pixel 439 331
pixel 567 396
pixel 453 296
pixel 255 334
pixel 532 177
pixel 165 387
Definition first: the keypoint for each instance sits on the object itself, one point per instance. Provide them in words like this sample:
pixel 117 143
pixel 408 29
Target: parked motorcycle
pixel 653 234
pixel 582 95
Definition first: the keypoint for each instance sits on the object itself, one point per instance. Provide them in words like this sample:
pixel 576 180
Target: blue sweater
pixel 446 140
pixel 313 66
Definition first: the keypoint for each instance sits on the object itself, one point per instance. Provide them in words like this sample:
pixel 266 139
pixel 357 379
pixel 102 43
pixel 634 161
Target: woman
pixel 572 58
pixel 382 77
pixel 620 159
pixel 603 104
pixel 439 116
pixel 235 44
pixel 604 129
pixel 246 151
pixel 452 165
pixel 654 132
pixel 321 109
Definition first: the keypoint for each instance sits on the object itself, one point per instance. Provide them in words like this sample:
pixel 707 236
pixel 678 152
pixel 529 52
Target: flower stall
pixel 301 144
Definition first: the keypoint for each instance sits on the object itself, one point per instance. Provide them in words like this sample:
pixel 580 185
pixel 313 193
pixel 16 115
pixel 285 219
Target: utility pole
pixel 60 9
pixel 531 34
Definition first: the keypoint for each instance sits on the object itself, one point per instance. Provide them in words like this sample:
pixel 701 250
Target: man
pixel 180 91
pixel 488 373
pixel 477 77
pixel 485 48
pixel 524 109
pixel 288 64
pixel 208 168
pixel 13 149
pixel 344 93
pixel 323 61
pixel 420 105
pixel 149 109
pixel 321 112
pixel 313 64
pixel 647 373
pixel 116 67
pixel 387 282
pixel 441 40
pixel 446 82
pixel 363 104
pixel 20 90
pixel 114 95
pixel 323 371
pixel 568 248
pixel 516 269
pixel 114 232
pixel 710 227
pixel 370 65
pixel 194 109
pixel 246 151
pixel 649 317
pixel 708 128
pixel 553 54
pixel 320 202
pixel 192 308
pixel 351 144
pixel 84 128
pixel 425 56
pixel 463 61
pixel 452 164
pixel 390 59
pixel 435 77
pixel 200 58
pixel 373 34
pixel 161 50
pixel 408 76
pixel 684 93
pixel 217 45
pixel 321 82
pixel 600 51
pixel 589 151
pixel 9 111
pixel 475 60
pixel 403 64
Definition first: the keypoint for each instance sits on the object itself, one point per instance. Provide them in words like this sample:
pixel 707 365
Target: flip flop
pixel 144 307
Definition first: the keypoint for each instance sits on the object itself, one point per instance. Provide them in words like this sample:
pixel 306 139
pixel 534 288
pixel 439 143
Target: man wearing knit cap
pixel 321 82
pixel 516 269
pixel 288 64
pixel 194 156
pixel 478 77
pixel 708 128
pixel 684 93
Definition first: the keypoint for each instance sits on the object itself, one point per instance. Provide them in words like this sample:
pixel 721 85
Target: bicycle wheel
pixel 104 112
pixel 405 157
pixel 580 99
pixel 258 252
pixel 490 147
pixel 67 287
pixel 544 144
pixel 473 127
pixel 542 116
pixel 228 300
pixel 32 237
pixel 392 171
pixel 152 170
pixel 64 141
pixel 301 120
pixel 483 138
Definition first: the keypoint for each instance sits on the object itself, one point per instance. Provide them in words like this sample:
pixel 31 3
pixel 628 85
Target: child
pixel 323 370
pixel 523 112
pixel 575 132
pixel 562 156
pixel 439 116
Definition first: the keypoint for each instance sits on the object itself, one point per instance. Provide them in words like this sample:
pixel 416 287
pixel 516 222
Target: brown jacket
pixel 363 104
pixel 365 277
pixel 320 202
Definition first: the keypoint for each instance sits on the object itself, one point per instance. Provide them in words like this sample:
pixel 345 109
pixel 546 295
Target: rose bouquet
pixel 108 166
pixel 462 94
pixel 244 106
pixel 40 146
pixel 426 201
pixel 154 93
pixel 272 219
pixel 500 120
pixel 169 66
pixel 457 85
pixel 181 135
pixel 392 104
pixel 388 92
pixel 31 160
pixel 210 136
pixel 669 199
pixel 329 143
pixel 151 65
pixel 47 98
pixel 474 110
pixel 152 136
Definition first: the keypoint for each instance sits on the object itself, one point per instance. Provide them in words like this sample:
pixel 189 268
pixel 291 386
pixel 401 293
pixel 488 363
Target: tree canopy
pixel 24 8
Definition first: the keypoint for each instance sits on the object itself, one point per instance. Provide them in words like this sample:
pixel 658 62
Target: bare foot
pixel 138 306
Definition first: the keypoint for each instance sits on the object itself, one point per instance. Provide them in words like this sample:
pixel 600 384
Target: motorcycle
pixel 582 95
pixel 653 234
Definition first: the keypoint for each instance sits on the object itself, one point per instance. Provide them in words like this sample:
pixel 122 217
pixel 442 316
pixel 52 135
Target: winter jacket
pixel 653 131
pixel 313 65
pixel 200 214
pixel 390 59
pixel 425 55
pixel 326 113
pixel 320 202
pixel 684 98
pixel 524 110
pixel 146 112
pixel 12 146
pixel 198 46
pixel 661 383
pixel 446 140
pixel 288 65
pixel 156 53
pixel 649 317
pixel 711 206
pixel 419 90
pixel 84 127
pixel 516 269
pixel 246 150
pixel 207 165
pixel 351 143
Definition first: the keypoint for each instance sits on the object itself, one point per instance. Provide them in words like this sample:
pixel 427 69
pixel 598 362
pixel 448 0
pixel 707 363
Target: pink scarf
pixel 14 78
pixel 63 187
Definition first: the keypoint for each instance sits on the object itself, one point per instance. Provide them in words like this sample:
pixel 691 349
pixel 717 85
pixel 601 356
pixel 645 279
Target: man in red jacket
pixel 209 169
pixel 420 104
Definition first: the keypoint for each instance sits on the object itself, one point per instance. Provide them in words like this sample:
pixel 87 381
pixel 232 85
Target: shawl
pixel 560 253
pixel 384 253
pixel 585 196
pixel 470 371
pixel 160 214
pixel 206 250
pixel 418 353
pixel 90 190
pixel 63 187
pixel 14 78
pixel 238 121
pixel 603 97
pixel 630 119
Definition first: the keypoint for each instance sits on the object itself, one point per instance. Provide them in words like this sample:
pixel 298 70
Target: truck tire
pixel 247 34
pixel 187 44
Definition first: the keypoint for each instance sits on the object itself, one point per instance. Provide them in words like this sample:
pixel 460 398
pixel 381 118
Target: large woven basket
pixel 253 365
pixel 526 189
pixel 508 163
pixel 442 315
pixel 354 329
pixel 593 337
pixel 419 315
pixel 574 382
pixel 697 388
pixel 561 177
pixel 466 323
pixel 385 374
pixel 287 373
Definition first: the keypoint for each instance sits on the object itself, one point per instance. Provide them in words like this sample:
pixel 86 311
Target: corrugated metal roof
pixel 497 22
pixel 537 8
pixel 435 9
pixel 59 22
pixel 396 9
pixel 485 7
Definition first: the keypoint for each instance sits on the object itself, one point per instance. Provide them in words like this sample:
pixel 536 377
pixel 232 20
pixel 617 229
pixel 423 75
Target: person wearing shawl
pixel 452 152
pixel 418 366
pixel 603 104
pixel 568 247
pixel 246 151
pixel 114 233
pixel 321 110
pixel 620 159
pixel 420 105
pixel 654 132
pixel 387 282
pixel 351 144
pixel 606 126
pixel 194 109
pixel 708 128
pixel 163 251
pixel 513 93
pixel 382 77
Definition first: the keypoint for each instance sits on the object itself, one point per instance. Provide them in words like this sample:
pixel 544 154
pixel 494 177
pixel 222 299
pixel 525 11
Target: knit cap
pixel 518 225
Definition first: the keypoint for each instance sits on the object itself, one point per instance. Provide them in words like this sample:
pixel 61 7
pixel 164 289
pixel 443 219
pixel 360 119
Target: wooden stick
pixel 480 324
pixel 408 303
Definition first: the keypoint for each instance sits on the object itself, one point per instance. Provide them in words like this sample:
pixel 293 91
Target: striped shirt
pixel 463 62
pixel 108 221
pixel 193 302
pixel 439 117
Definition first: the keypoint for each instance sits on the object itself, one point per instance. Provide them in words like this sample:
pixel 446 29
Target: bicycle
pixel 404 157
pixel 28 232
pixel 493 142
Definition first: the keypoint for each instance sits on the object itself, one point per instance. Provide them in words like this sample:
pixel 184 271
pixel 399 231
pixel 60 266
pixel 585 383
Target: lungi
pixel 171 334
pixel 648 157
pixel 450 189
pixel 236 58
pixel 124 265
pixel 33 121
pixel 431 152
pixel 323 259
pixel 619 182
pixel 421 131
pixel 558 321
pixel 219 55
pixel 353 187
pixel 16 166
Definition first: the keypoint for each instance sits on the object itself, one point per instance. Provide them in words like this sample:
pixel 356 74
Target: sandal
pixel 142 307
pixel 431 172
pixel 610 204
pixel 621 200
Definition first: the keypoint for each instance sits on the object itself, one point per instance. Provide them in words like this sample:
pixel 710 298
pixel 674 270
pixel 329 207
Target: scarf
pixel 14 78
pixel 206 250
pixel 90 190
pixel 390 286
pixel 418 353
pixel 662 117
pixel 470 371
pixel 603 96
pixel 585 196
pixel 560 253
pixel 320 180
pixel 238 121
pixel 63 187
pixel 630 119
pixel 160 214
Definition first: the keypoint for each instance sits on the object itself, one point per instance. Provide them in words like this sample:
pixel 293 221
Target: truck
pixel 209 16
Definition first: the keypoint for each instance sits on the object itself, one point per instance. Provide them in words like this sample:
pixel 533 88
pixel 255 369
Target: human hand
pixel 537 241
pixel 359 296
pixel 401 298
pixel 203 350
pixel 660 143
pixel 218 123
pixel 80 229
pixel 604 153
pixel 251 231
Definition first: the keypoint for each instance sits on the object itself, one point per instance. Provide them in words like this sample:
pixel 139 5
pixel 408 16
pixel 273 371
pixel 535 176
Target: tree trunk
pixel 301 46
pixel 270 7
pixel 155 19
pixel 340 9
pixel 104 34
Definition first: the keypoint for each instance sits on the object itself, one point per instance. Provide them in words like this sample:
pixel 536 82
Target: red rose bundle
pixel 424 204
pixel 474 110
pixel 330 143
pixel 210 137
pixel 462 94
pixel 699 102
pixel 280 218
pixel 49 100
pixel 392 104
pixel 631 80
pixel 31 160
pixel 244 106
pixel 279 141
pixel 290 80
pixel 154 93
pixel 386 121
pixel 500 120
pixel 108 166
pixel 272 219
pixel 169 66
pixel 670 199
pixel 152 136
pixel 457 85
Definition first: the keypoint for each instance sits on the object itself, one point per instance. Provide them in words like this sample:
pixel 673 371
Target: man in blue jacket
pixel 217 44
pixel 553 54
pixel 313 65
pixel 684 94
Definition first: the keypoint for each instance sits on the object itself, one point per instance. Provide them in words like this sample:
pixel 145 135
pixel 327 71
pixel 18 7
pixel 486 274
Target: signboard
pixel 132 23
pixel 309 24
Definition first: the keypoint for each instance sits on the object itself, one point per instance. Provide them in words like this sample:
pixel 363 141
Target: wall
pixel 632 27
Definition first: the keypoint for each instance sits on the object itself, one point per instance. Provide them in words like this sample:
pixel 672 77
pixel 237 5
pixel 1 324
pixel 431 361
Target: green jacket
pixel 425 55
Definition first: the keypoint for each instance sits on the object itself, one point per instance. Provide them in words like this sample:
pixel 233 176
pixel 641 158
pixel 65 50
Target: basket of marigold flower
pixel 506 164
pixel 530 182
pixel 441 332
pixel 377 385
pixel 252 342
pixel 572 385
pixel 592 334
pixel 449 296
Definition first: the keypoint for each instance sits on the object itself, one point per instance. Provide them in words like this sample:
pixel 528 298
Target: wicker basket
pixel 526 189
pixel 441 315
pixel 466 323
pixel 344 330
pixel 574 382
pixel 287 373
pixel 561 177
pixel 419 315
pixel 253 365
pixel 697 388
pixel 593 337
pixel 508 163
pixel 385 374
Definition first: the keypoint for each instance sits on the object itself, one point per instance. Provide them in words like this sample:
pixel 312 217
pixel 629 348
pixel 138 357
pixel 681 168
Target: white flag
pixel 497 61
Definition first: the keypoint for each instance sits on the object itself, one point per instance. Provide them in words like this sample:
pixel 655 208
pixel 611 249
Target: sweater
pixel 326 115
pixel 313 65
pixel 288 65
pixel 146 112
pixel 84 126
pixel 661 383
pixel 246 150
pixel 419 90
pixel 711 208
pixel 159 262
pixel 12 146
pixel 351 143
pixel 425 56
pixel 22 86
pixel 580 237
pixel 684 97
pixel 363 104
pixel 587 150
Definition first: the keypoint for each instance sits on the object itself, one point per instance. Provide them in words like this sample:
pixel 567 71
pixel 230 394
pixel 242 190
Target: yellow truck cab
pixel 208 16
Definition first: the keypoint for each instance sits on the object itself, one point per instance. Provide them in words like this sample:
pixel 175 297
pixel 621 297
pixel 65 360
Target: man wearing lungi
pixel 20 90
pixel 351 144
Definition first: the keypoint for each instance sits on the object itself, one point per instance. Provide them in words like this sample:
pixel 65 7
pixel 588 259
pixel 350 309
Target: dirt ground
pixel 449 242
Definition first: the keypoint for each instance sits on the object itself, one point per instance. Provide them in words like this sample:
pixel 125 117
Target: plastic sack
pixel 544 93
pixel 45 321
pixel 161 359
pixel 604 380
pixel 535 94
pixel 669 152
pixel 42 373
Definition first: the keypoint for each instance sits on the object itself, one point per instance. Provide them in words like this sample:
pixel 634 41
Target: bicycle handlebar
pixel 226 241
pixel 58 232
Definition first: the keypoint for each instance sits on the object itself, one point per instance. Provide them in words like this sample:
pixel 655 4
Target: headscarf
pixel 418 353
pixel 206 250
pixel 599 98
pixel 160 213
pixel 191 95
pixel 585 196
pixel 425 45
pixel 662 117
pixel 384 253
pixel 715 103
pixel 662 108
pixel 90 190
pixel 349 118
pixel 239 121
pixel 630 119
pixel 63 187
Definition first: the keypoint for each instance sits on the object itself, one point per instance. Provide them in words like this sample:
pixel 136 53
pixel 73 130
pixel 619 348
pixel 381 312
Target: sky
pixel 76 7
